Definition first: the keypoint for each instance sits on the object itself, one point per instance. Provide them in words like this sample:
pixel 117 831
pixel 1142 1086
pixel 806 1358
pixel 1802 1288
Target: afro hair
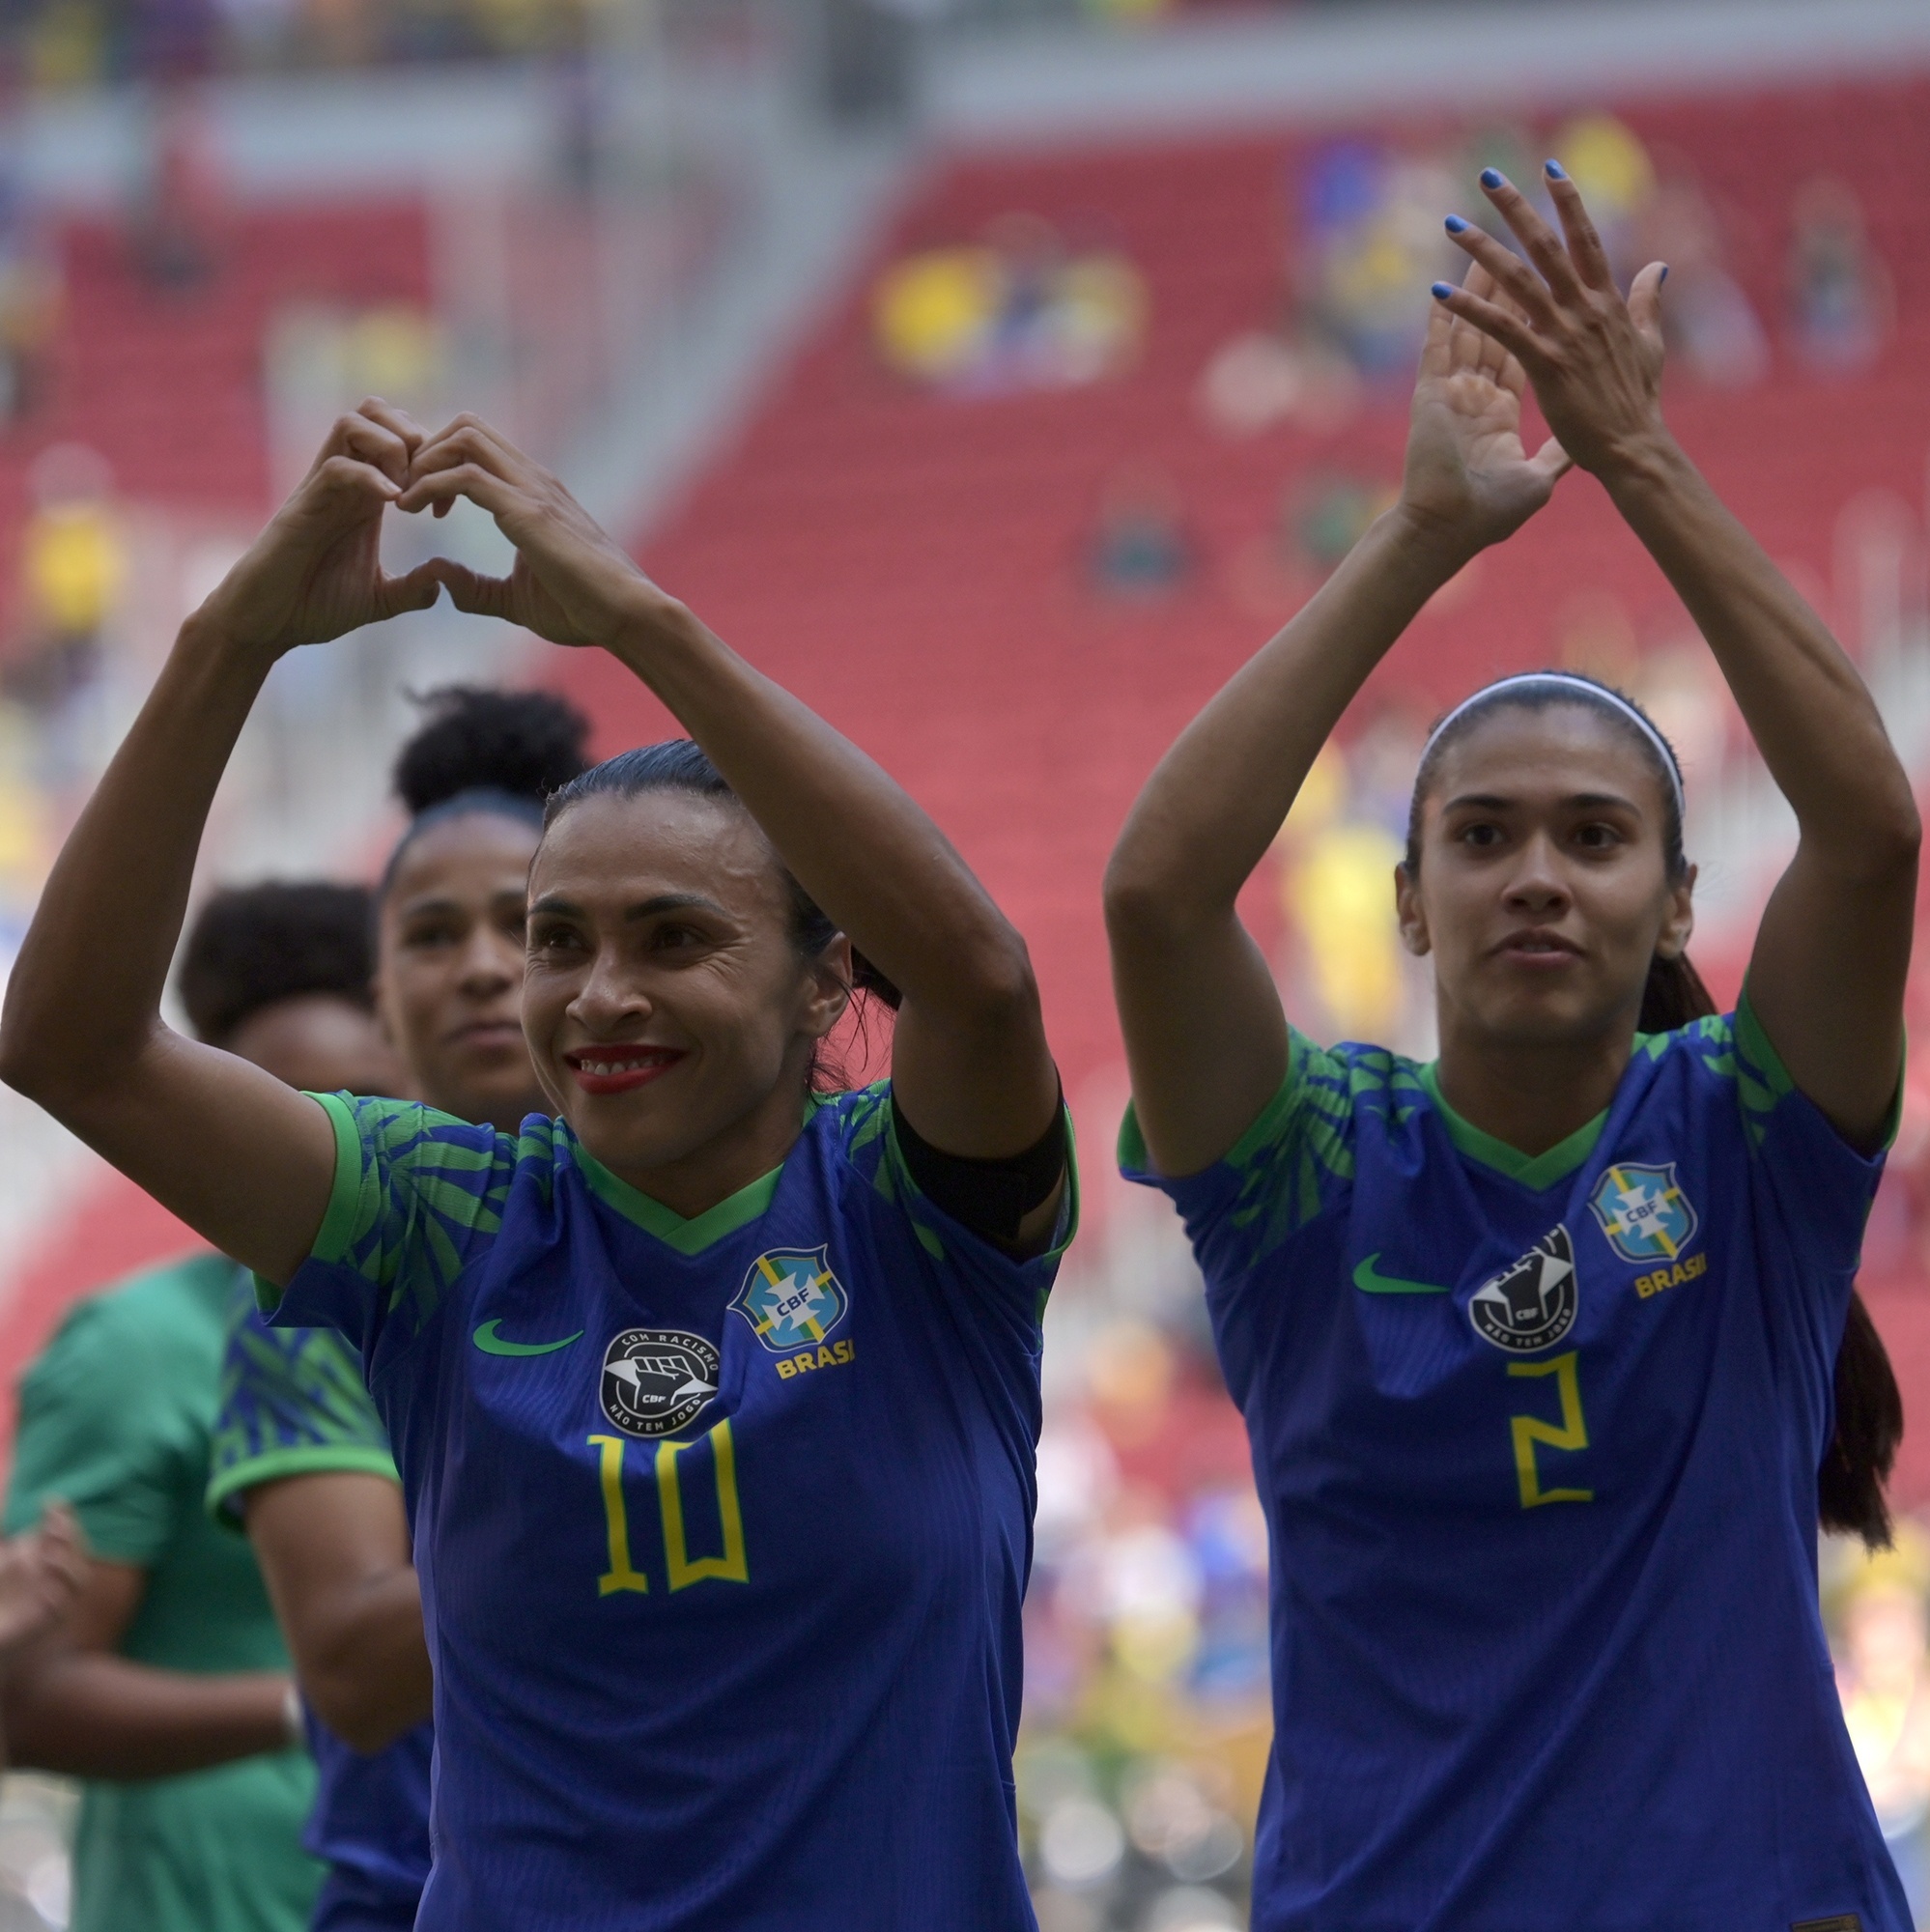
pixel 251 945
pixel 524 742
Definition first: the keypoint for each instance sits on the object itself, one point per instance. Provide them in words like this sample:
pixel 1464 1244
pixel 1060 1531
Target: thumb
pixel 469 589
pixel 1645 301
pixel 414 590
pixel 1552 461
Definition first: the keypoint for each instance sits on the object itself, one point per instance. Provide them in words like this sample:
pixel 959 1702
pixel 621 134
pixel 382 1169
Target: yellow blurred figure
pixel 1609 164
pixel 74 566
pixel 932 309
pixel 1340 895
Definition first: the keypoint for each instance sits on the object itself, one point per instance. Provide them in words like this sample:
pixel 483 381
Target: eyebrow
pixel 1587 801
pixel 650 908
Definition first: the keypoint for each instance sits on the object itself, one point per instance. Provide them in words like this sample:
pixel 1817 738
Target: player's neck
pixel 1530 1097
pixel 727 1163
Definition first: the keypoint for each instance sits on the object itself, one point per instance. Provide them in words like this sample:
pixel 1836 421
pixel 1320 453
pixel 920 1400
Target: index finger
pixel 399 421
pixel 1543 246
pixel 1584 244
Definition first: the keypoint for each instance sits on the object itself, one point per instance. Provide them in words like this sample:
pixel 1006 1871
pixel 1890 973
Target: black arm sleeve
pixel 990 1197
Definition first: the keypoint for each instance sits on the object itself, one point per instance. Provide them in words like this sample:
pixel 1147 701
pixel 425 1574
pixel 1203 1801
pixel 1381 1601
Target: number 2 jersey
pixel 1537 1440
pixel 292 1405
pixel 723 1524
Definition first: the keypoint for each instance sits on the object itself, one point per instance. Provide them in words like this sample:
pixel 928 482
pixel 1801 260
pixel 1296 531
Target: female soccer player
pixel 714 1400
pixel 300 1455
pixel 1535 1343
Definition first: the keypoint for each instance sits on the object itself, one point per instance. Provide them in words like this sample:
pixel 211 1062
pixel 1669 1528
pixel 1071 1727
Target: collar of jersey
pixel 688 1237
pixel 1538 1171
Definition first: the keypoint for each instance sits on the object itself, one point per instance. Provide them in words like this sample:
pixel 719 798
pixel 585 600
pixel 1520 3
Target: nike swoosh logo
pixel 490 1343
pixel 1369 1283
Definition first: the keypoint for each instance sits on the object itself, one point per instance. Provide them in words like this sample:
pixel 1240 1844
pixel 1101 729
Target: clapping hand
pixel 1594 358
pixel 40 1576
pixel 1469 480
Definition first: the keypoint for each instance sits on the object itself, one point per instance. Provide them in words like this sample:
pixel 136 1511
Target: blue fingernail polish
pixel 1663 276
pixel 1455 225
pixel 1554 172
pixel 1491 178
pixel 1442 290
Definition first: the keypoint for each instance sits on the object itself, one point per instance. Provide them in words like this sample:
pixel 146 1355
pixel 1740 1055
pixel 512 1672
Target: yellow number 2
pixel 1528 1429
pixel 622 1574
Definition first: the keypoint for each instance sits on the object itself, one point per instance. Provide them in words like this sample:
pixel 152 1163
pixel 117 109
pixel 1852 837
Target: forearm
pixel 362 1663
pixel 92 1714
pixel 83 1000
pixel 1215 802
pixel 856 842
pixel 1810 713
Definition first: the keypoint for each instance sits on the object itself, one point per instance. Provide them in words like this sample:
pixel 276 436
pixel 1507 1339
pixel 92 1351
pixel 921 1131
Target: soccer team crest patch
pixel 1532 1303
pixel 656 1379
pixel 1643 1212
pixel 791 1298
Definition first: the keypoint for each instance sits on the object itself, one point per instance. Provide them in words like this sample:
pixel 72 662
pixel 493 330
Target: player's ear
pixel 1408 910
pixel 829 989
pixel 1678 918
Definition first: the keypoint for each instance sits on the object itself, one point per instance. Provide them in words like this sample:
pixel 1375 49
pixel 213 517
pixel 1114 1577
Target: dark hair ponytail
pixel 1869 1405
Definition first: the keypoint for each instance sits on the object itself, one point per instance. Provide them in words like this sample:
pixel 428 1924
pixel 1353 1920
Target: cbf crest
pixel 1532 1303
pixel 1643 1212
pixel 791 1298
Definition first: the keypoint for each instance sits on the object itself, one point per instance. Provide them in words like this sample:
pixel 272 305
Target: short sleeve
pixel 867 1123
pixel 292 1403
pixel 1288 1166
pixel 1812 1189
pixel 101 1429
pixel 417 1197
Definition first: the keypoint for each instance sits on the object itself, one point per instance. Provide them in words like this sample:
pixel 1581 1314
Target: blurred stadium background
pixel 996 373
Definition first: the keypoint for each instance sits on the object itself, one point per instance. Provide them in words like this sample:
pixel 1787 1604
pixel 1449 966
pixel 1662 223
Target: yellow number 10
pixel 622 1574
pixel 1528 1429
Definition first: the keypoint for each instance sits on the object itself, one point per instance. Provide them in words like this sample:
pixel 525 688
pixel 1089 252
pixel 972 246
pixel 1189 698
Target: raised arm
pixel 241 1158
pixel 1205 1038
pixel 1832 952
pixel 969 1064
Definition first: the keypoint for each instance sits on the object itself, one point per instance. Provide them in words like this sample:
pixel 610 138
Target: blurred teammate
pixel 300 1454
pixel 715 1400
pixel 168 1689
pixel 1537 1345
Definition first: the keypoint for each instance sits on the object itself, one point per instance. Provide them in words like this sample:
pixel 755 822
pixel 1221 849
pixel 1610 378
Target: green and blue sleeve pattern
pixel 417 1196
pixel 1295 1159
pixel 292 1403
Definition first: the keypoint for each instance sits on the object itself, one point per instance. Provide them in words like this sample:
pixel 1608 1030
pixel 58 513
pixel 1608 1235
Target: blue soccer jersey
pixel 1537 1442
pixel 723 1524
pixel 292 1404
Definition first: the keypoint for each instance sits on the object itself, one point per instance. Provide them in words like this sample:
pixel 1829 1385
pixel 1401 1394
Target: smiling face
pixel 1543 892
pixel 670 1012
pixel 449 967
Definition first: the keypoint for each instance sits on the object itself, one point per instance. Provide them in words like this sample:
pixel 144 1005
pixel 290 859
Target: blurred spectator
pixel 1017 311
pixel 72 564
pixel 177 208
pixel 1139 547
pixel 1706 317
pixel 1840 301
pixel 1884 1675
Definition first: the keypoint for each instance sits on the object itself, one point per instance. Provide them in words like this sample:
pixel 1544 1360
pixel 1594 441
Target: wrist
pixel 1425 544
pixel 205 636
pixel 1644 460
pixel 647 622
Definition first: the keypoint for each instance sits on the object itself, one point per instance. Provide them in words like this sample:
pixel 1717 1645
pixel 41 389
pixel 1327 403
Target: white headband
pixel 1591 692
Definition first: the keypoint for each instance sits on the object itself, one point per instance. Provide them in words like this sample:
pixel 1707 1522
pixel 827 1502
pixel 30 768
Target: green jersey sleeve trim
pixel 688 1237
pixel 1538 1172
pixel 1264 1131
pixel 316 1460
pixel 338 1223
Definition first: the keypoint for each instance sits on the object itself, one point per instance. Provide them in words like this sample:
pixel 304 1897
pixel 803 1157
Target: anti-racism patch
pixel 656 1379
pixel 1531 1304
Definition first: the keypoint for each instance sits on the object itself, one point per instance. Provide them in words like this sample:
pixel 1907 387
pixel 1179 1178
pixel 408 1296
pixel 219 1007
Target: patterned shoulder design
pixel 1298 1157
pixel 1733 1049
pixel 418 1194
pixel 862 1120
